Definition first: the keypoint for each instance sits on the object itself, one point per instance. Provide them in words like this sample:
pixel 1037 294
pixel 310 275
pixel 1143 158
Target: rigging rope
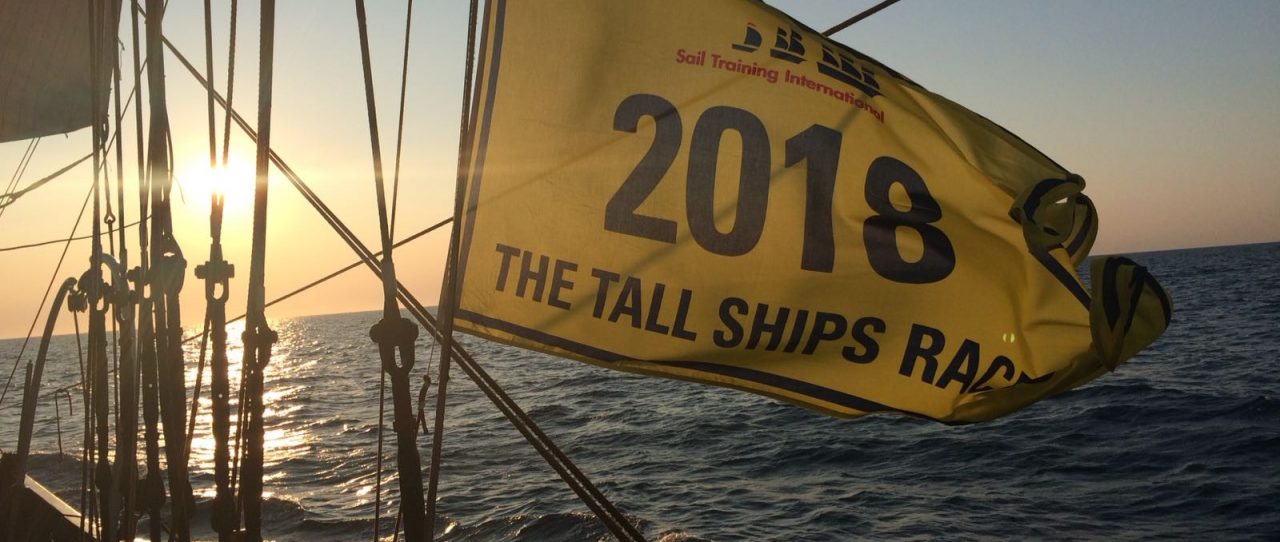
pixel 20 170
pixel 94 287
pixel 393 332
pixel 166 279
pixel 258 337
pixel 152 495
pixel 302 289
pixel 62 240
pixel 22 164
pixel 124 312
pixel 7 199
pixel 573 477
pixel 11 195
pixel 377 484
pixel 404 83
pixel 448 285
pixel 216 273
pixel 863 15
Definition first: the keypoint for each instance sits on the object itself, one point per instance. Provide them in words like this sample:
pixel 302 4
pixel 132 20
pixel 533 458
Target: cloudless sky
pixel 1169 109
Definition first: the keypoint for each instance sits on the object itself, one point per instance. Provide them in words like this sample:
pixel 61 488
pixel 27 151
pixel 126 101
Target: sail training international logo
pixel 846 73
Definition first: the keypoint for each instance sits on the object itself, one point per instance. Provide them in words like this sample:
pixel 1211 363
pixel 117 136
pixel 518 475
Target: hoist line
pixel 860 16
pixel 404 85
pixel 569 472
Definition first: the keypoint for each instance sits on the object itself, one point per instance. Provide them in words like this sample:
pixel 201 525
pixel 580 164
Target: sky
pixel 1167 108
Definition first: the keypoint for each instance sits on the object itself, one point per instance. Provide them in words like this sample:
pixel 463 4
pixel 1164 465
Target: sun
pixel 235 183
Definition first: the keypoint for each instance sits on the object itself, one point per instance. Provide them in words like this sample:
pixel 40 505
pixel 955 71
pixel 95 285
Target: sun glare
pixel 235 183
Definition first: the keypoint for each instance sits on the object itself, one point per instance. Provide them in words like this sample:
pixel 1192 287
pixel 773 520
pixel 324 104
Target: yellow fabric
pixel 710 191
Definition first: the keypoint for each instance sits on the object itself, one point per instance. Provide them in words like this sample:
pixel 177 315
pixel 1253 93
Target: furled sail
pixel 44 66
pixel 798 221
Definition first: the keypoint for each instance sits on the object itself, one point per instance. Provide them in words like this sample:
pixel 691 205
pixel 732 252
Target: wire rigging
pixel 859 17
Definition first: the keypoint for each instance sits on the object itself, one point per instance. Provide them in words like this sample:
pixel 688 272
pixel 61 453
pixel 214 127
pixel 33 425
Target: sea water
pixel 1182 442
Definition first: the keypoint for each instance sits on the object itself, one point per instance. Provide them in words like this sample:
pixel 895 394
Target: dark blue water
pixel 1181 443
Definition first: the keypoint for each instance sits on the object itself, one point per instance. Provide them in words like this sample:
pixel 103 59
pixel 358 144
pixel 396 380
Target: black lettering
pixel 620 213
pixel 821 332
pixel 527 274
pixel 916 351
pixel 753 181
pixel 655 310
pixel 880 231
pixel 508 252
pixel 819 147
pixel 862 337
pixel 963 367
pixel 774 329
pixel 628 302
pixel 682 314
pixel 732 336
pixel 797 332
pixel 1000 362
pixel 558 282
pixel 602 292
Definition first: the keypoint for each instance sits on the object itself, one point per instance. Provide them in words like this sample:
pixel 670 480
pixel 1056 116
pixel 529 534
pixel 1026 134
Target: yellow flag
pixel 714 192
